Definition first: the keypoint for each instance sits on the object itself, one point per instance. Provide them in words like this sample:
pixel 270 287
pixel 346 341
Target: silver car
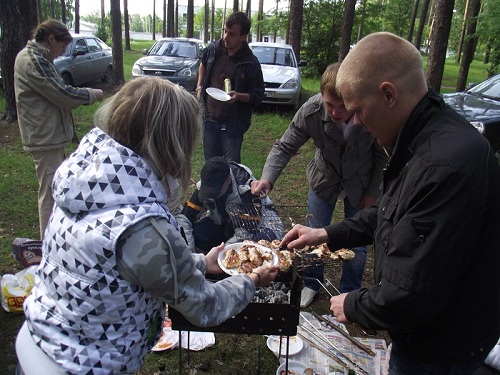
pixel 85 59
pixel 175 59
pixel 281 73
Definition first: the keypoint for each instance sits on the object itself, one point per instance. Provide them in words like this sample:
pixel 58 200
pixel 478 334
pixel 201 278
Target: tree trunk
pixel 52 11
pixel 164 30
pixel 63 12
pixel 170 18
pixel 205 25
pixel 462 32
pixel 126 21
pixel 275 31
pixel 248 12
pixel 487 50
pixel 17 20
pixel 77 16
pixel 176 28
pixel 421 24
pixel 116 32
pixel 235 5
pixel 260 16
pixel 439 43
pixel 412 21
pixel 190 19
pixel 296 11
pixel 345 39
pixel 213 20
pixel 362 20
pixel 39 10
pixel 469 45
pixel 154 20
pixel 103 13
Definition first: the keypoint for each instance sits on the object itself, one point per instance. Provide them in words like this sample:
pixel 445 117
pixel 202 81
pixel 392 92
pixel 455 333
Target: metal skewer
pixel 345 334
pixel 327 342
pixel 322 350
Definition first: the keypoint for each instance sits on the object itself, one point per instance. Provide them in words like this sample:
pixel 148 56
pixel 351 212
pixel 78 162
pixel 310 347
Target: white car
pixel 281 73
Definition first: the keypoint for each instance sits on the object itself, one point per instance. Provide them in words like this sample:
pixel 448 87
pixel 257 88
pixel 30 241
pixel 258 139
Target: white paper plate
pixel 169 339
pixel 236 246
pixel 295 346
pixel 218 94
pixel 296 366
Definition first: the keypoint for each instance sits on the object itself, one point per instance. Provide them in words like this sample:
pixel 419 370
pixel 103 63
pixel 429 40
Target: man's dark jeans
pixel 216 142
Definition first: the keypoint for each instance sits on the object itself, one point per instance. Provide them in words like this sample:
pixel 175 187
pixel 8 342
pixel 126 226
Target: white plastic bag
pixel 15 289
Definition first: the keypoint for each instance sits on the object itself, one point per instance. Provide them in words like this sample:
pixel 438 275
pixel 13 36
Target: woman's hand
pixel 263 275
pixel 211 259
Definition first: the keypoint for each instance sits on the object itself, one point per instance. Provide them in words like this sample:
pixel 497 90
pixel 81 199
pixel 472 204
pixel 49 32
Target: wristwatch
pixel 198 88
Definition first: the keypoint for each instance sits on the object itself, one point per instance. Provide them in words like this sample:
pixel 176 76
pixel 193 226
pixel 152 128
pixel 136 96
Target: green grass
pixel 18 213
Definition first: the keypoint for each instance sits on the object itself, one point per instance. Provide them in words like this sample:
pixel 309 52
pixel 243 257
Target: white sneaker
pixel 307 296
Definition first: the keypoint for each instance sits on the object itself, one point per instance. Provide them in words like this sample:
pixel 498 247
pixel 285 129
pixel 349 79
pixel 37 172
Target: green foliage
pixel 102 32
pixel 70 9
pixel 489 33
pixel 321 35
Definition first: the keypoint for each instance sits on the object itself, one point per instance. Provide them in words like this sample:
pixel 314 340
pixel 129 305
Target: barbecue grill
pixel 265 222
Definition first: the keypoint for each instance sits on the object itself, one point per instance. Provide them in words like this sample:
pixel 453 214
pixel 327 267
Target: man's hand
pixel 300 236
pixel 261 188
pixel 211 259
pixel 337 307
pixel 98 94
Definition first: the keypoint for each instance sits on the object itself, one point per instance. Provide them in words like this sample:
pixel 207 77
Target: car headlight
pixel 136 70
pixel 186 72
pixel 290 84
pixel 478 125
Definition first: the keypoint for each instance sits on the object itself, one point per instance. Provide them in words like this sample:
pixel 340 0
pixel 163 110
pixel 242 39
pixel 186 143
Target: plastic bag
pixel 15 289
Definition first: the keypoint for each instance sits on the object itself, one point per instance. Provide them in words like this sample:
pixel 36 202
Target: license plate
pixel 269 94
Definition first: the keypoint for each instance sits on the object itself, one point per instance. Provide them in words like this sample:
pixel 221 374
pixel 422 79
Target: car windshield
pixel 489 88
pixel 174 48
pixel 274 55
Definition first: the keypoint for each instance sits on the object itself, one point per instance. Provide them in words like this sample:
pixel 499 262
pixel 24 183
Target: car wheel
pixel 67 78
pixel 107 75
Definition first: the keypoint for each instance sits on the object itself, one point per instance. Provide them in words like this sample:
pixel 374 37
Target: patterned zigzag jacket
pixel 82 312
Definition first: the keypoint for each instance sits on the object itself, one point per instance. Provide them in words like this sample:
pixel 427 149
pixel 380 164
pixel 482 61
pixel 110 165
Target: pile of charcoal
pixel 276 292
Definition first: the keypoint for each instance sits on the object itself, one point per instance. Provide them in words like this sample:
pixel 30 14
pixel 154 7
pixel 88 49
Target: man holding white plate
pixel 228 117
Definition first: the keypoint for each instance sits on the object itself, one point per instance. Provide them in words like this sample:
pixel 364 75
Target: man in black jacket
pixel 225 122
pixel 435 228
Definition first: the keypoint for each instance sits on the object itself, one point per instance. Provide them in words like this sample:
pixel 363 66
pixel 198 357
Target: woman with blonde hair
pixel 44 104
pixel 114 254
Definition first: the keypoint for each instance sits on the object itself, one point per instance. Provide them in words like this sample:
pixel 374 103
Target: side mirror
pixel 302 62
pixel 145 51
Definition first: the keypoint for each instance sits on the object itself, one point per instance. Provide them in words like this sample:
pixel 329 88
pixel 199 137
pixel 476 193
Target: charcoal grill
pixel 259 318
pixel 252 220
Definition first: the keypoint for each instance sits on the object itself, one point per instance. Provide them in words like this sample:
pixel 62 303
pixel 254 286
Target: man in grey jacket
pixel 348 165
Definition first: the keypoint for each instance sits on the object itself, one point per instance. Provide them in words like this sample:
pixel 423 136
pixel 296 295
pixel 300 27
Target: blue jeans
pixel 352 271
pixel 400 364
pixel 217 143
